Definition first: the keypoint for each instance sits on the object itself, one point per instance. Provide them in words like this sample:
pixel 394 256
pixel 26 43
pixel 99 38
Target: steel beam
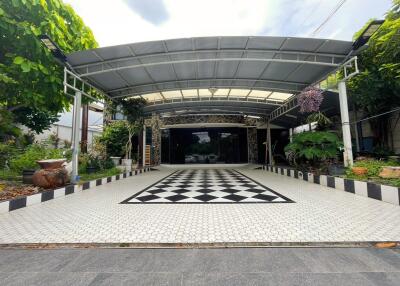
pixel 349 69
pixel 289 87
pixel 216 60
pixel 281 53
pixel 227 101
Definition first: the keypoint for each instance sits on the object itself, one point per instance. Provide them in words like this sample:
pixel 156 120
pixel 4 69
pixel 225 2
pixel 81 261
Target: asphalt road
pixel 234 266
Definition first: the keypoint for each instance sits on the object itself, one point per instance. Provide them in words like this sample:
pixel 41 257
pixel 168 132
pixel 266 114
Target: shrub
pixel 314 147
pixel 33 153
pixel 7 151
pixel 90 160
pixel 114 137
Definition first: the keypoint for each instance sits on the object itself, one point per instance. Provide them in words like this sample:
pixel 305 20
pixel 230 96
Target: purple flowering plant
pixel 310 99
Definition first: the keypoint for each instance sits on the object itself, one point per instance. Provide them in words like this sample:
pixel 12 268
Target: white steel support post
pixel 144 146
pixel 75 135
pixel 291 135
pixel 344 113
pixel 270 161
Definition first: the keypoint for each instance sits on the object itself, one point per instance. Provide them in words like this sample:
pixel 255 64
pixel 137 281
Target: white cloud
pixel 114 22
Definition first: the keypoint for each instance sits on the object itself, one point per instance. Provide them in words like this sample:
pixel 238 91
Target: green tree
pixel 114 137
pixel 377 88
pixel 31 88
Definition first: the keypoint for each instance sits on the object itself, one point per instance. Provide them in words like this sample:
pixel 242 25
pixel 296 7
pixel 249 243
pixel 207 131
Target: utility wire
pixel 378 115
pixel 334 11
pixel 309 16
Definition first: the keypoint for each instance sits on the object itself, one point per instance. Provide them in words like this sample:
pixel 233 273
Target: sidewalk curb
pixel 22 202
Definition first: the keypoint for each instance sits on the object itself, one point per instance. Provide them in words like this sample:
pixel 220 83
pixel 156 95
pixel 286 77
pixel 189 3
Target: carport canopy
pixel 212 75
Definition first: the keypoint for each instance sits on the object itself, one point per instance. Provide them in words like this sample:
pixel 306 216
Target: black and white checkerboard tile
pixel 207 186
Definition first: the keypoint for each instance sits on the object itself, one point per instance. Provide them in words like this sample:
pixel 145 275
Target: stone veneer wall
pixel 252 143
pixel 209 119
pixel 156 123
pixel 107 113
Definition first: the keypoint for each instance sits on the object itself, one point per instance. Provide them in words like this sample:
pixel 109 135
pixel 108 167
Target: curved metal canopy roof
pixel 211 73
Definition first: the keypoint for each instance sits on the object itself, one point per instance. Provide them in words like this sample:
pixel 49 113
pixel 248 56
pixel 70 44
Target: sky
pixel 128 21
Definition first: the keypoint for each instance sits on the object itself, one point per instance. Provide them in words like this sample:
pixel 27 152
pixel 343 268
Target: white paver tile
pixel 34 199
pixel 96 215
pixel 390 194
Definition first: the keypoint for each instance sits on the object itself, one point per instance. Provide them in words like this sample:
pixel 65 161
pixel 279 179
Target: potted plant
pixel 93 164
pixel 135 161
pixel 316 150
pixel 127 161
pixel 133 110
pixel 115 160
pixel 359 171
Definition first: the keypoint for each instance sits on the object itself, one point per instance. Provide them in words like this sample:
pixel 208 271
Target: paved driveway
pixel 316 214
pixel 263 266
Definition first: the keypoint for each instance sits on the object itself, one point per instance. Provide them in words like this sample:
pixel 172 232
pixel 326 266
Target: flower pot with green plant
pixel 133 111
pixel 314 151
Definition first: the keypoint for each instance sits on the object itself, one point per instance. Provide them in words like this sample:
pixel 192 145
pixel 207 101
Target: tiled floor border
pixel 379 192
pixel 21 202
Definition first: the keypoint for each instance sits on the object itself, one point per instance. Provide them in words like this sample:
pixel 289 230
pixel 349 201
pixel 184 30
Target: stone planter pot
pixel 27 176
pixel 115 160
pixel 52 175
pixel 335 170
pixel 128 164
pixel 91 170
pixel 359 171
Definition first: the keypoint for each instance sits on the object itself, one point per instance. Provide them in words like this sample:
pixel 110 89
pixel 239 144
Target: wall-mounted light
pixel 53 48
pixel 367 34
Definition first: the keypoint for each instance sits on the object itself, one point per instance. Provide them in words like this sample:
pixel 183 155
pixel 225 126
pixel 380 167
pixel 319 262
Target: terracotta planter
pixel 359 171
pixel 51 163
pixel 52 175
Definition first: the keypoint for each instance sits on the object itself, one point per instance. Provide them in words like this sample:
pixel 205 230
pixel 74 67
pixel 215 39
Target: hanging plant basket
pixel 310 99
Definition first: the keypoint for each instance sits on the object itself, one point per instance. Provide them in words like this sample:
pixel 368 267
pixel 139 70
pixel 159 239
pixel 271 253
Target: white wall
pixel 65 133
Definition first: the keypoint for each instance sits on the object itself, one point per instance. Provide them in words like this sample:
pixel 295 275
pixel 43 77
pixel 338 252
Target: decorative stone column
pixel 107 112
pixel 252 145
pixel 155 123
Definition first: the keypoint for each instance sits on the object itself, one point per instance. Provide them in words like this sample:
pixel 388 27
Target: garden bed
pixel 389 194
pixel 9 191
pixel 373 168
pixel 32 196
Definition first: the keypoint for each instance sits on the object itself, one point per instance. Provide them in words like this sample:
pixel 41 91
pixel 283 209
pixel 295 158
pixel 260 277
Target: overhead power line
pixel 334 11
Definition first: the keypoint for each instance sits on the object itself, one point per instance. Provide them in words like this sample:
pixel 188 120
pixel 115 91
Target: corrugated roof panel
pixel 251 69
pixel 265 43
pixel 110 53
pixel 136 76
pixel 233 42
pixel 179 44
pixel 302 44
pixel 206 43
pixel 196 63
pixel 148 48
pixel 278 71
pixel 206 69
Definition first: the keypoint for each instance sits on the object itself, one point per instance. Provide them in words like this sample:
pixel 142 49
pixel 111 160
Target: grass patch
pixel 9 175
pixel 374 167
pixel 99 174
